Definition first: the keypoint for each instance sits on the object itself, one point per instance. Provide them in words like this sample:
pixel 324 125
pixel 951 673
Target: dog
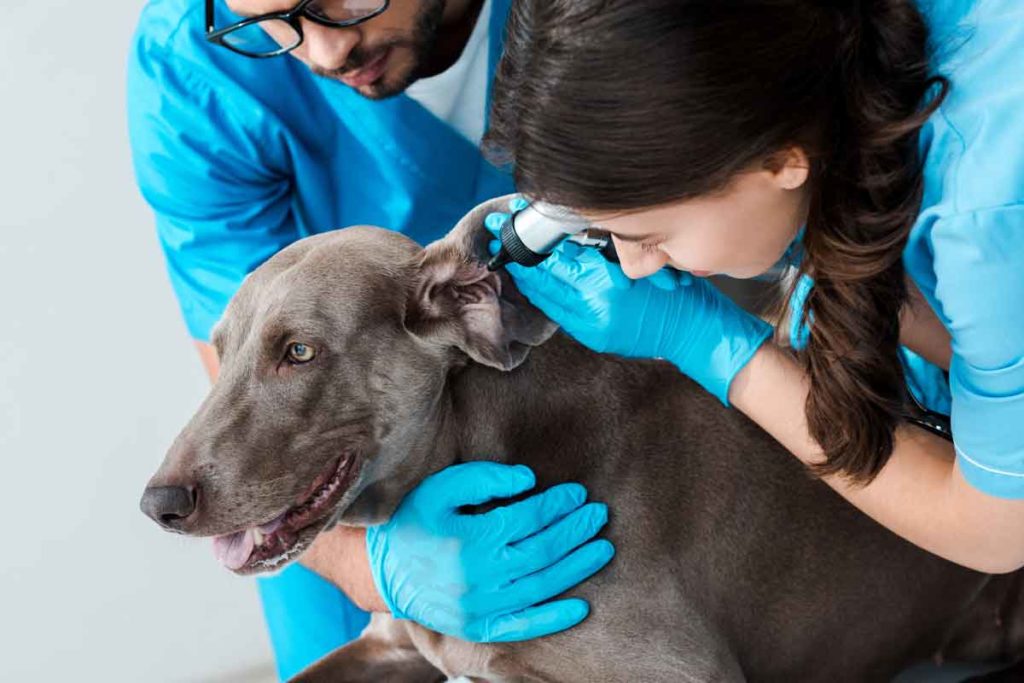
pixel 356 363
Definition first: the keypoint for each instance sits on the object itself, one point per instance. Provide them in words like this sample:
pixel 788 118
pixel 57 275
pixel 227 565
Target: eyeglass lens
pixel 344 10
pixel 273 36
pixel 263 38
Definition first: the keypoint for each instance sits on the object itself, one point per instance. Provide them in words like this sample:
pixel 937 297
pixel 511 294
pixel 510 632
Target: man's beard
pixel 421 44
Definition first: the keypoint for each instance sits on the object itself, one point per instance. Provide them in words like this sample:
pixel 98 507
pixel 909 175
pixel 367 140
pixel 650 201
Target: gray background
pixel 96 376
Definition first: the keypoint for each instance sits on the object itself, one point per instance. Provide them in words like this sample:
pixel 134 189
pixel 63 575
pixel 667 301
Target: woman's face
pixel 741 231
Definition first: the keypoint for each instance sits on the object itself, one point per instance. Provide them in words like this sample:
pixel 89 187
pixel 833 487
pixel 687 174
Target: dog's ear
pixel 457 302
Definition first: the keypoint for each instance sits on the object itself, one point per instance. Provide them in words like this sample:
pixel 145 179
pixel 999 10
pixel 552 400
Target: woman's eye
pixel 300 353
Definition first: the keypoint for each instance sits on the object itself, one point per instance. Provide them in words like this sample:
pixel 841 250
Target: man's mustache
pixel 359 58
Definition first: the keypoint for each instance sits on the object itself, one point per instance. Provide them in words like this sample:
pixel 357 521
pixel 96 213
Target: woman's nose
pixel 327 48
pixel 637 262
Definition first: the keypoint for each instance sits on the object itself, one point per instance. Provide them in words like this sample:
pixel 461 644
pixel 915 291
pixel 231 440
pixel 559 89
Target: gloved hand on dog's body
pixel 481 577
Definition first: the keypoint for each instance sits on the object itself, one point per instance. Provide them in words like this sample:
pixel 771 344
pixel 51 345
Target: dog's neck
pixel 422 443
pixel 559 412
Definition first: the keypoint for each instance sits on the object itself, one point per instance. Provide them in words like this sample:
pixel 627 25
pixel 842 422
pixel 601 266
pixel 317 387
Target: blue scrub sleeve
pixel 220 187
pixel 979 266
pixel 308 617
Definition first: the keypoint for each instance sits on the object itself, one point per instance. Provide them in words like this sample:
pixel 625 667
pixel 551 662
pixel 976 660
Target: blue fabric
pixel 926 382
pixel 307 617
pixel 966 250
pixel 799 331
pixel 241 157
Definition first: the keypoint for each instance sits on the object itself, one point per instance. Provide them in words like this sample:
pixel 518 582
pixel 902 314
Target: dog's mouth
pixel 272 544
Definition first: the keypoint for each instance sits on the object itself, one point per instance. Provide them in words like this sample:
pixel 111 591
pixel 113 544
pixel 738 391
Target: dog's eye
pixel 300 353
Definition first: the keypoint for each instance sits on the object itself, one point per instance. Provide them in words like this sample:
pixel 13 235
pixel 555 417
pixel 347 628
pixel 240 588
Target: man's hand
pixel 339 555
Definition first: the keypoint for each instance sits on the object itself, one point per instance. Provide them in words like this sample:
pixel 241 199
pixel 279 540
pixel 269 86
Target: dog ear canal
pixel 458 303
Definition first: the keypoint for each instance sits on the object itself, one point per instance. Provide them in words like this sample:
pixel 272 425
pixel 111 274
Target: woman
pixel 705 136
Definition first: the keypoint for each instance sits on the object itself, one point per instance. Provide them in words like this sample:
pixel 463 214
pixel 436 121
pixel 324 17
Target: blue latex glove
pixel 481 577
pixel 683 320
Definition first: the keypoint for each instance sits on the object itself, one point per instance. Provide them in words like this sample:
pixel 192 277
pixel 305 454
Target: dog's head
pixel 334 359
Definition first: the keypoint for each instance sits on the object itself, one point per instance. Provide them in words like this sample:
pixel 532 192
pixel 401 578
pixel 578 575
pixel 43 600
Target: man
pixel 259 122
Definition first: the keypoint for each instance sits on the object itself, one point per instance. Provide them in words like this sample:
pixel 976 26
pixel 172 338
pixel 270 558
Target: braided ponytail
pixel 867 198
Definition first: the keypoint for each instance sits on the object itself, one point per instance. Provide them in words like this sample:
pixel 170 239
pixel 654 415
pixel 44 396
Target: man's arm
pixel 338 555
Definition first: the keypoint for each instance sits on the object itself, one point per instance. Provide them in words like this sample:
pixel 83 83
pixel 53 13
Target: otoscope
pixel 531 234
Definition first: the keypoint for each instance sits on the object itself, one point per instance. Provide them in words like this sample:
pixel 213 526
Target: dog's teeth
pixel 257 536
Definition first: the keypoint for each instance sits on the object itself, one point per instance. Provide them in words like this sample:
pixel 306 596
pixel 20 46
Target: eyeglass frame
pixel 290 17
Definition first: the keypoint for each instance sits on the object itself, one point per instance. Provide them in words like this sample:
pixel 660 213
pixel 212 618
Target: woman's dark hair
pixel 618 105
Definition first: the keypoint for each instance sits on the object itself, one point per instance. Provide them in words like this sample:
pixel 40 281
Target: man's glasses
pixel 277 33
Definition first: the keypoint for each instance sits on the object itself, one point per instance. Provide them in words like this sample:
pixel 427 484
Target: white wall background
pixel 96 377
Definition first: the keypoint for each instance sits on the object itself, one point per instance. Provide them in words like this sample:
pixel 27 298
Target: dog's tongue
pixel 233 550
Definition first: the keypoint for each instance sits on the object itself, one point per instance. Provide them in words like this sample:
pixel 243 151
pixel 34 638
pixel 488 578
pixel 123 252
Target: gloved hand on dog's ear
pixel 481 577
pixel 669 314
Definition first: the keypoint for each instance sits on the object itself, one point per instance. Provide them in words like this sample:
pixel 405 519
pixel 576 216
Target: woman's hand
pixel 481 577
pixel 668 315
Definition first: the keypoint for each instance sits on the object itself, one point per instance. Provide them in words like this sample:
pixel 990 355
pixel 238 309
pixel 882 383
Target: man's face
pixel 378 58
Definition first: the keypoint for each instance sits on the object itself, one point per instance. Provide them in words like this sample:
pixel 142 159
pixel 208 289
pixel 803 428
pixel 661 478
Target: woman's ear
pixel 789 167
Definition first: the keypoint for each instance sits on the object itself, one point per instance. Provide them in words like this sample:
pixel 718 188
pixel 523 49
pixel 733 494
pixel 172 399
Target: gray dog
pixel 732 564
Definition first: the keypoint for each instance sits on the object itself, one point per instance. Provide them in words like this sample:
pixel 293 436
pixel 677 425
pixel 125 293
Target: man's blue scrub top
pixel 966 249
pixel 240 157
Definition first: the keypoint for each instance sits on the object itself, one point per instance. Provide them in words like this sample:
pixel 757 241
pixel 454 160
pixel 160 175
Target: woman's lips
pixel 369 73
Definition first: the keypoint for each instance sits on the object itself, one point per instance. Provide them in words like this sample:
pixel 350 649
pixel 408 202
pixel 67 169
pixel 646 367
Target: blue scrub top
pixel 966 249
pixel 241 157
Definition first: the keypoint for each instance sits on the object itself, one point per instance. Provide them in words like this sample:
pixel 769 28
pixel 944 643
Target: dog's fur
pixel 732 563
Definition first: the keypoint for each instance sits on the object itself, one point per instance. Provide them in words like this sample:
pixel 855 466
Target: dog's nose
pixel 169 506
